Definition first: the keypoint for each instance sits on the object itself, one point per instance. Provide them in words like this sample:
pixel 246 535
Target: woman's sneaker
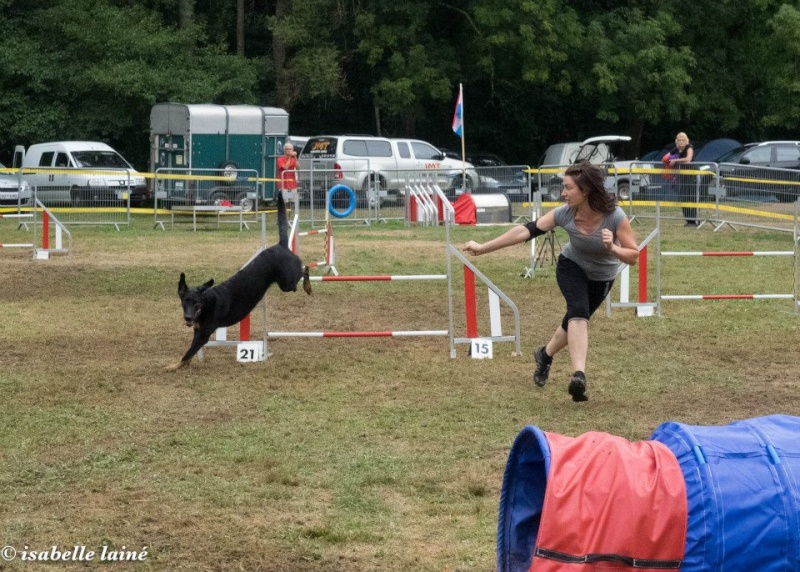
pixel 577 386
pixel 543 363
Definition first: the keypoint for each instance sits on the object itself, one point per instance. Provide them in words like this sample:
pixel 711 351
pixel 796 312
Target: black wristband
pixel 534 230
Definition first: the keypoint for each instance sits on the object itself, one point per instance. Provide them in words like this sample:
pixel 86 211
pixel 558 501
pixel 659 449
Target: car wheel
pixel 217 198
pixel 624 191
pixel 371 188
pixel 76 197
pixel 245 202
pixel 552 192
pixel 229 171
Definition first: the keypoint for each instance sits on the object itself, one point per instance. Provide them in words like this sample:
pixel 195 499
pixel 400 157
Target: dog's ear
pixel 206 286
pixel 182 287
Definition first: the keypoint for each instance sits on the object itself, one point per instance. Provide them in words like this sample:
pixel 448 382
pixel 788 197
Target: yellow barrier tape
pixel 629 171
pixel 28 171
pixel 762 181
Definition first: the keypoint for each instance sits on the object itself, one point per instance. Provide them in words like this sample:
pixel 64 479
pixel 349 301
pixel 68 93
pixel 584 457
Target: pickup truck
pixel 596 150
pixel 377 168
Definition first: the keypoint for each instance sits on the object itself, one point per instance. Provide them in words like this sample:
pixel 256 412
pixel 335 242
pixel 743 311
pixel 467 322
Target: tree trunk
pixel 240 27
pixel 283 96
pixel 185 13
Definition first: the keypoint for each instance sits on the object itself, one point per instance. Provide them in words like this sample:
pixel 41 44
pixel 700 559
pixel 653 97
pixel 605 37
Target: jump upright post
pixel 642 307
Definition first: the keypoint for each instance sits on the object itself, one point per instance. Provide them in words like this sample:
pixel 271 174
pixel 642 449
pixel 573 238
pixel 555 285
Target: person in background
pixel 287 169
pixel 683 153
pixel 600 236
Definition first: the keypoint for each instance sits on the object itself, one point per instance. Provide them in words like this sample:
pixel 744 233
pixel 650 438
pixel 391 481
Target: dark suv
pixel 762 171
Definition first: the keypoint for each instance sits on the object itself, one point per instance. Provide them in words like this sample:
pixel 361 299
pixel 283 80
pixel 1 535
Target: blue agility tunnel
pixel 742 491
pixel 694 498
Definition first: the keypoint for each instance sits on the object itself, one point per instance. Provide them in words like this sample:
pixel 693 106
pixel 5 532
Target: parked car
pixel 764 171
pixel 13 191
pixel 711 151
pixel 297 141
pixel 377 168
pixel 77 172
pixel 598 151
pixel 497 176
pixel 452 153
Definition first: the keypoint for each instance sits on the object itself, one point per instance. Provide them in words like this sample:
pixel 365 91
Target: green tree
pixel 636 73
pixel 91 69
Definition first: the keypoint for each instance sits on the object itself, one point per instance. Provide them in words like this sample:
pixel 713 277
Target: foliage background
pixel 535 72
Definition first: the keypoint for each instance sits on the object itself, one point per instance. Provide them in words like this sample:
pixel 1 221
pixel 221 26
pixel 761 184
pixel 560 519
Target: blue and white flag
pixel 459 113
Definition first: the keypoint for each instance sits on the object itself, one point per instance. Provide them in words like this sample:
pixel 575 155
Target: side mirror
pixel 744 160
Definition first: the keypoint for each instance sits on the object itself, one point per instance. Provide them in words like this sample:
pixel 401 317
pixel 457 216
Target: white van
pixel 80 173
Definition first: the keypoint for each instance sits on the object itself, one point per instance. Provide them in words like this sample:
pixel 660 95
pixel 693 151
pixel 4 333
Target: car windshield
pixel 100 159
pixel 732 156
pixel 595 153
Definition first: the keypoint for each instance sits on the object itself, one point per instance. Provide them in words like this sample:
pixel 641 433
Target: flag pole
pixel 463 143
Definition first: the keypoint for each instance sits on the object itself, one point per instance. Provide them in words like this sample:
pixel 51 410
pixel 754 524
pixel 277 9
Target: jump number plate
pixel 248 352
pixel 481 348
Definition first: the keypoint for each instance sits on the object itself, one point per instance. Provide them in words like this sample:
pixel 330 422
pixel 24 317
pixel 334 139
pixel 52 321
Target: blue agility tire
pixel 350 207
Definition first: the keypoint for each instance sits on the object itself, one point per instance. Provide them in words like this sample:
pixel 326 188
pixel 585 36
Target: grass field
pixel 336 454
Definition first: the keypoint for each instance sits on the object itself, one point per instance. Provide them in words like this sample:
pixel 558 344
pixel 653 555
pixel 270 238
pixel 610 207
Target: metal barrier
pixel 205 194
pixel 719 195
pixel 513 181
pixel 381 196
pixel 85 196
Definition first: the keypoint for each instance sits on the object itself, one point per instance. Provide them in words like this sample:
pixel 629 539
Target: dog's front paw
pixel 306 281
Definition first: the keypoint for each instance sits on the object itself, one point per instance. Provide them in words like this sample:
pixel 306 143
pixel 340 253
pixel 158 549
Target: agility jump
pixel 644 308
pixel 470 274
pixel 470 307
pixel 60 231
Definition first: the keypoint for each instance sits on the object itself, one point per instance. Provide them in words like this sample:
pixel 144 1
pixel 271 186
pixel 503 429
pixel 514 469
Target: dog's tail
pixel 283 221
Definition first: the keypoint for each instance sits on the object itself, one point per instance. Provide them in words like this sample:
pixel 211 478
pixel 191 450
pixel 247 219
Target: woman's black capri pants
pixel 583 296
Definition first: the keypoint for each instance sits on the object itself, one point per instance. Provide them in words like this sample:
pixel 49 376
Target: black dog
pixel 205 308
